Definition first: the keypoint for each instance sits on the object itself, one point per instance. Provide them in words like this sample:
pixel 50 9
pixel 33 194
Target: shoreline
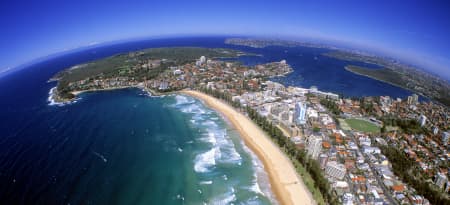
pixel 149 91
pixel 55 96
pixel 285 183
pixel 387 82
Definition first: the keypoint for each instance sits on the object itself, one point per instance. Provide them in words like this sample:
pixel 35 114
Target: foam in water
pixel 205 182
pixel 181 99
pixel 224 149
pixel 211 138
pixel 205 161
pixel 259 172
pixel 51 99
pixel 226 198
pixel 179 196
pixel 255 186
pixel 221 149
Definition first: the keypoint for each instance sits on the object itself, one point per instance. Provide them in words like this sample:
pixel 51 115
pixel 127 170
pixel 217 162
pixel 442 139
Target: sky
pixel 417 32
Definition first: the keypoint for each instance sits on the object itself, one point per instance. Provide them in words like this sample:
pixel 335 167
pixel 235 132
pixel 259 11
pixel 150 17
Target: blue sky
pixel 414 31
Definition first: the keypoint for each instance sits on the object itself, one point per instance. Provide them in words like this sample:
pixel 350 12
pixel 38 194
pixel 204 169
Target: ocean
pixel 125 147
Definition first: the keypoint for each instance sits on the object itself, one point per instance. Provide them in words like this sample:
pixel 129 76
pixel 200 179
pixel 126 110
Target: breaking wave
pixel 219 153
pixel 52 102
pixel 226 198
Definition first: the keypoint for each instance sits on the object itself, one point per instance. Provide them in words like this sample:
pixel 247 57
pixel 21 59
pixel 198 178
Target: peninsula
pixel 345 150
pixel 262 43
pixel 393 71
pixel 398 74
pixel 173 69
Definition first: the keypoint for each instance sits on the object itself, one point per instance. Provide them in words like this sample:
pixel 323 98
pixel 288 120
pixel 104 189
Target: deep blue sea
pixel 124 147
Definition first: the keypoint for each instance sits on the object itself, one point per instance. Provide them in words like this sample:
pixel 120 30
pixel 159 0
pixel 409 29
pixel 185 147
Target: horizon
pixel 416 34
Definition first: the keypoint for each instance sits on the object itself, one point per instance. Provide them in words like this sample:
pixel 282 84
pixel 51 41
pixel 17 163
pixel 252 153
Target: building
pixel 335 170
pixel 347 199
pixel 445 137
pixel 416 199
pixel 413 99
pixel 371 150
pixel 202 59
pixel 422 120
pixel 435 130
pixel 300 113
pixel 440 180
pixel 399 188
pixel 314 146
pixel 323 159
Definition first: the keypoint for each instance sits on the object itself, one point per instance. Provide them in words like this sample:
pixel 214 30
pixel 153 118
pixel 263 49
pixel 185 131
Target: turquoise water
pixel 128 148
pixel 123 147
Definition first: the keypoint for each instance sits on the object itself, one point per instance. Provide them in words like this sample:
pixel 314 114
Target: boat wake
pixel 100 156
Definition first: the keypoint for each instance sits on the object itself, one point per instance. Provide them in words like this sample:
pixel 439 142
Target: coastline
pixel 287 186
pixel 104 89
pixel 375 78
pixel 387 82
pixel 54 96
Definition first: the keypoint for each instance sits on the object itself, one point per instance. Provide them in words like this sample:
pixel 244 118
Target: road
pixel 386 191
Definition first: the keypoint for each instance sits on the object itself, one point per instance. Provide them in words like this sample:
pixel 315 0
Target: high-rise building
pixel 314 146
pixel 440 180
pixel 335 170
pixel 445 138
pixel 422 120
pixel 435 130
pixel 300 113
pixel 202 59
pixel 413 99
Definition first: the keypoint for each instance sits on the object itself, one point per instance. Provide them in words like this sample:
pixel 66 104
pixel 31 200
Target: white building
pixel 445 137
pixel 440 180
pixel 365 141
pixel 177 72
pixel 412 100
pixel 202 59
pixel 371 150
pixel 422 120
pixel 312 113
pixel 335 170
pixel 314 146
pixel 300 113
pixel 347 199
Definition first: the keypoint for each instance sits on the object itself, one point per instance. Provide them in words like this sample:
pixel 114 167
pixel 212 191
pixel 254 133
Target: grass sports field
pixel 362 125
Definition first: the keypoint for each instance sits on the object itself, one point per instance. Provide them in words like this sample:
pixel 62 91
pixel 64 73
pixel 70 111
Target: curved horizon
pixel 339 46
pixel 413 32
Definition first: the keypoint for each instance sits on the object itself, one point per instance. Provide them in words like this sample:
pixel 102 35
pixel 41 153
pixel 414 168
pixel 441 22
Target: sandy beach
pixel 284 180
